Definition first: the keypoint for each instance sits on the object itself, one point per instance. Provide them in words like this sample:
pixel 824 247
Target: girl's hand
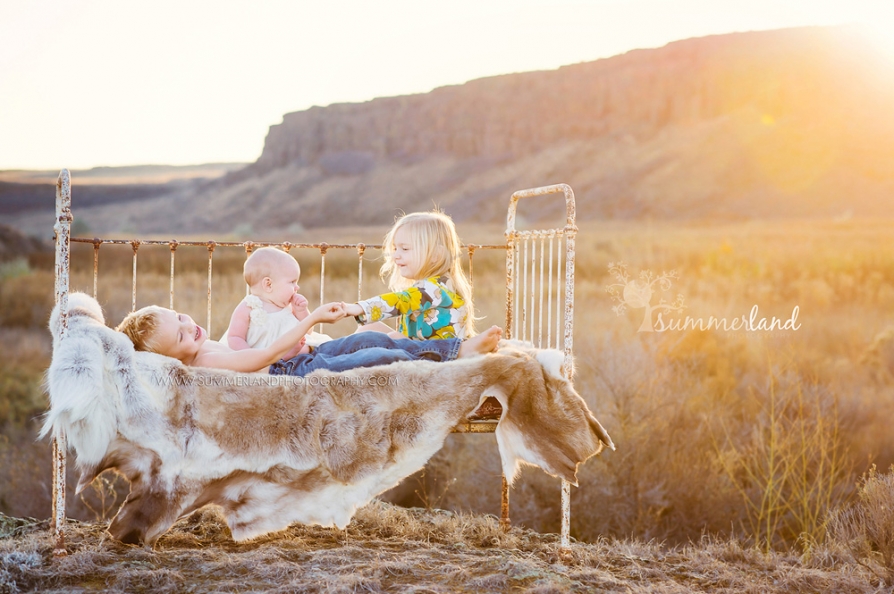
pixel 352 309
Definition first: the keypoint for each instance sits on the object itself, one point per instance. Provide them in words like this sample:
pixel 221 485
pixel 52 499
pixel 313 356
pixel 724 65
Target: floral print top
pixel 429 309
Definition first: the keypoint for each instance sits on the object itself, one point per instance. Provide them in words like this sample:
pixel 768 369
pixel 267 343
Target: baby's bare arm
pixel 238 330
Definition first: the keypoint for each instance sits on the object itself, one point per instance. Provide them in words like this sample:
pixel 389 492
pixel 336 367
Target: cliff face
pixel 778 123
pixel 780 73
pixel 793 123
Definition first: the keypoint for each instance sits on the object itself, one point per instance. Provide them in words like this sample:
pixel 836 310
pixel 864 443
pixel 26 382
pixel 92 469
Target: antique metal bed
pixel 539 300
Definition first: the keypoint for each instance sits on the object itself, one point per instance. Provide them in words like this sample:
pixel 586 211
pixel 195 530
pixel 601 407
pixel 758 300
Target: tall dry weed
pixel 865 528
pixel 790 468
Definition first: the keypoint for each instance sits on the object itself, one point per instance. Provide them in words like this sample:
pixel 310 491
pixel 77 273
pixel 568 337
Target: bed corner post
pixel 570 233
pixel 62 229
pixel 511 239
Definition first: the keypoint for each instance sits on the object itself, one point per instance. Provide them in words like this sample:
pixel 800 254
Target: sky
pixel 118 82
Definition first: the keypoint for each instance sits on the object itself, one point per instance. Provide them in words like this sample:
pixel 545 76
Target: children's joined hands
pixel 330 312
pixel 352 309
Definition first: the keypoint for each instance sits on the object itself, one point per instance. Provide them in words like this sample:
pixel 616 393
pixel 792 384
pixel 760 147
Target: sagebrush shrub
pixel 866 527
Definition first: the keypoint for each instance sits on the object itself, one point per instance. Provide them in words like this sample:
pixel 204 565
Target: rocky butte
pixel 786 123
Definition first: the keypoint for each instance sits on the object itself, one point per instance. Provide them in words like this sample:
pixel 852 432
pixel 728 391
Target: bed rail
pixel 539 302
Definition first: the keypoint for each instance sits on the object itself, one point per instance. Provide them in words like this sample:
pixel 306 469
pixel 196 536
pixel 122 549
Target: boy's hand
pixel 299 306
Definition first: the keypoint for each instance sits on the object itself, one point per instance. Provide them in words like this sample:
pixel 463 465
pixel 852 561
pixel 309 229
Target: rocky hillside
pixel 792 122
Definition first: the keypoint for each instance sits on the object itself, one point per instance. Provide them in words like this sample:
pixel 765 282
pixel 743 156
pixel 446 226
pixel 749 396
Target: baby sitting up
pixel 176 335
pixel 273 306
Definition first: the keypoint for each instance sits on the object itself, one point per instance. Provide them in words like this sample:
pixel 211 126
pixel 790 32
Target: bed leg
pixel 59 496
pixel 505 524
pixel 565 546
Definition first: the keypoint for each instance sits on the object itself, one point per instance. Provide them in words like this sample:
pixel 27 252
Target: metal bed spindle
pixel 133 295
pixel 173 252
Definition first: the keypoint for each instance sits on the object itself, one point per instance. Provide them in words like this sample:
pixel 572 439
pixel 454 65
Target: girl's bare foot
pixel 486 342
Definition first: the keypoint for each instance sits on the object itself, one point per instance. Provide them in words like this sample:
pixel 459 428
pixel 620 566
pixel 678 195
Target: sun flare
pixel 880 27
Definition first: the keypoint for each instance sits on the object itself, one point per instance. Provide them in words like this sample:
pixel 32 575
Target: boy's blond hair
pixel 434 238
pixel 140 327
pixel 262 262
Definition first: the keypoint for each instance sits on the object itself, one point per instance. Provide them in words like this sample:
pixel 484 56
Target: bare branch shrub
pixel 865 528
pixel 107 493
pixel 787 470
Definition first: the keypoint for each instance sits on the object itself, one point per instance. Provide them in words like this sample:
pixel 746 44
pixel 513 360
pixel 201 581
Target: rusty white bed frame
pixel 531 279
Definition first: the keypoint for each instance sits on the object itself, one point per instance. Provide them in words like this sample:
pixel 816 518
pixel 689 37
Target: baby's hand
pixel 299 306
pixel 299 349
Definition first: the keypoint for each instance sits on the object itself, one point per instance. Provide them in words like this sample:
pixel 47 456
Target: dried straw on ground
pixel 392 549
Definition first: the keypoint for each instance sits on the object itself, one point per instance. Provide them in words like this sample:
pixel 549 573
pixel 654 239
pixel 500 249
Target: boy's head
pixel 164 331
pixel 272 275
pixel 140 327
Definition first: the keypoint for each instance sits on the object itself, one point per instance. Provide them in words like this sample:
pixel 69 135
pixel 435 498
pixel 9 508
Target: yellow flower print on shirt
pixel 445 332
pixel 404 301
pixel 430 308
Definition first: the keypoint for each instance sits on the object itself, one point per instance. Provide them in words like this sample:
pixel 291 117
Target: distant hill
pixel 124 175
pixel 14 244
pixel 27 198
pixel 787 123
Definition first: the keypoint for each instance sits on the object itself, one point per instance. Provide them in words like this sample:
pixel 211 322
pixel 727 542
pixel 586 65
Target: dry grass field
pixel 743 456
pixel 393 549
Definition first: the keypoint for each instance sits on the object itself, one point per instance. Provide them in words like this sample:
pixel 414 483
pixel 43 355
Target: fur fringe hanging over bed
pixel 275 450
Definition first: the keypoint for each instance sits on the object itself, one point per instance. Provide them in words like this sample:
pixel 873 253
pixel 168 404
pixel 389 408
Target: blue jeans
pixel 366 349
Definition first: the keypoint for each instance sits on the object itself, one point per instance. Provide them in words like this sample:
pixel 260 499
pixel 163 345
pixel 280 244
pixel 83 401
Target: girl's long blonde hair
pixel 432 235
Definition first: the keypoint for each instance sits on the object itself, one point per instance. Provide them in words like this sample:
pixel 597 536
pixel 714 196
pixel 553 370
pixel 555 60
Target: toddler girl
pixel 432 298
pixel 273 306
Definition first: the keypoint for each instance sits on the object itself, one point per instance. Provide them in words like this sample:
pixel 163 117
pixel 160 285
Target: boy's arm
pixel 238 330
pixel 258 359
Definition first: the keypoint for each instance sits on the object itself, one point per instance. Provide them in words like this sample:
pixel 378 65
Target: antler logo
pixel 637 293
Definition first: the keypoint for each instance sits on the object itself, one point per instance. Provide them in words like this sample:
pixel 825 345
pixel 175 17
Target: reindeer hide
pixel 272 450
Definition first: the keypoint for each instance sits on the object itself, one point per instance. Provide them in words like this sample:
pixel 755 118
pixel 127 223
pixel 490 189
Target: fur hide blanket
pixel 272 450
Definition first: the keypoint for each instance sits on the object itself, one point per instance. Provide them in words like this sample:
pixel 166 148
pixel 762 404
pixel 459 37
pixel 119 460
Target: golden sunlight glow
pixel 882 32
pixel 102 82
